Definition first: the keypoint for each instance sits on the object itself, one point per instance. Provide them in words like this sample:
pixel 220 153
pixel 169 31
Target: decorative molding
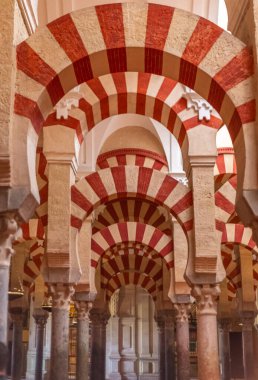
pixel 199 104
pixel 28 16
pixel 61 295
pixel 207 297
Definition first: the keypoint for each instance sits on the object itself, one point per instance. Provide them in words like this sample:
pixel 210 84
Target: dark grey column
pixel 224 347
pixel 161 344
pixel 99 319
pixel 169 319
pixel 248 352
pixel 40 317
pixel 182 340
pixel 61 294
pixel 17 350
pixel 82 357
pixel 8 227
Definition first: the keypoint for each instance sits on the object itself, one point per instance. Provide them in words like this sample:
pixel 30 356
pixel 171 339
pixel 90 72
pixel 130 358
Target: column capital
pixel 17 315
pixel 182 311
pixel 8 227
pixel 83 308
pixel 225 324
pixel 206 298
pixel 41 317
pixel 61 295
pixel 99 316
pixel 247 322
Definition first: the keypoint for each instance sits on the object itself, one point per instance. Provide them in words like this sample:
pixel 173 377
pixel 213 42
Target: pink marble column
pixel 40 317
pixel 224 342
pixel 61 295
pixel 207 332
pixel 82 354
pixel 182 340
pixel 99 319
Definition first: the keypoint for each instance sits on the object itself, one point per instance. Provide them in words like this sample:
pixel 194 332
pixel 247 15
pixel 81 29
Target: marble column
pixel 82 354
pixel 255 345
pixel 61 295
pixel 40 317
pixel 17 349
pixel 8 228
pixel 161 343
pixel 207 332
pixel 224 348
pixel 99 319
pixel 248 353
pixel 169 319
pixel 182 340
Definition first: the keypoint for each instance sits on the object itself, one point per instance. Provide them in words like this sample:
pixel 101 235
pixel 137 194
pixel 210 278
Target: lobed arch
pixel 190 50
pixel 131 232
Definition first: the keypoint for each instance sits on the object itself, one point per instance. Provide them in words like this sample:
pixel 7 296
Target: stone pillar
pixel 255 343
pixel 248 353
pixel 161 343
pixel 17 349
pixel 182 340
pixel 61 294
pixel 207 333
pixel 8 228
pixel 99 319
pixel 40 317
pixel 169 319
pixel 224 348
pixel 82 357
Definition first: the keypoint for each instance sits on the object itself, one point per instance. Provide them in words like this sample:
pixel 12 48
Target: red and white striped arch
pixel 114 38
pixel 134 263
pixel 131 181
pixel 225 199
pixel 133 210
pixel 32 267
pixel 130 248
pixel 232 268
pixel 225 167
pixel 132 278
pixel 239 234
pixel 132 156
pixel 131 232
pixel 33 230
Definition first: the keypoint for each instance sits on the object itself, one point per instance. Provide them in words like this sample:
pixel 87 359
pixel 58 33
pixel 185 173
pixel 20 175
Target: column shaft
pixel 4 284
pixel 161 347
pixel 41 321
pixel 98 344
pixel 82 350
pixel 17 351
pixel 182 341
pixel 61 294
pixel 207 335
pixel 248 353
pixel 169 346
pixel 224 327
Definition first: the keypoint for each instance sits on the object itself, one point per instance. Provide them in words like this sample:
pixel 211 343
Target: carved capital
pixel 182 311
pixel 225 324
pixel 206 298
pixel 41 317
pixel 61 295
pixel 99 317
pixel 83 308
pixel 247 323
pixel 165 319
pixel 8 228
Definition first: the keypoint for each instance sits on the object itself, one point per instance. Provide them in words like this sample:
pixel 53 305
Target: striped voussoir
pixel 133 210
pixel 132 278
pixel 225 200
pixel 239 234
pixel 225 167
pixel 232 267
pixel 131 232
pixel 133 157
pixel 130 263
pixel 148 39
pixel 42 181
pixel 33 230
pixel 130 248
pixel 32 266
pixel 131 181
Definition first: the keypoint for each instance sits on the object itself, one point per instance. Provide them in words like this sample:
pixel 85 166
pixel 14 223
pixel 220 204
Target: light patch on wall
pixel 223 15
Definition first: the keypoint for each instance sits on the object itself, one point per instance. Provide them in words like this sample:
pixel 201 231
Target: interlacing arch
pixel 131 232
pixel 131 181
pixel 190 50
